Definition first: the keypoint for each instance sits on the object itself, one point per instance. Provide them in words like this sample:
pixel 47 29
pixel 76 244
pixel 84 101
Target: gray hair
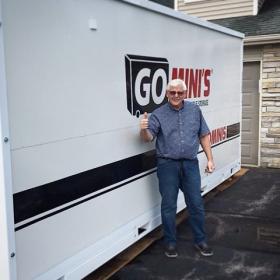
pixel 175 83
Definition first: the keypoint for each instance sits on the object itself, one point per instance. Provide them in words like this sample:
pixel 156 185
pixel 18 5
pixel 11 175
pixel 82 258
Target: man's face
pixel 175 96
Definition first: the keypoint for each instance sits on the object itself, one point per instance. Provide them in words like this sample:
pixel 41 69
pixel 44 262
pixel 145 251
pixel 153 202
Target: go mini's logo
pixel 146 80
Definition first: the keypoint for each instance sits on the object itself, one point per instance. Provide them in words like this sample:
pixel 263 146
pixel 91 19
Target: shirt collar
pixel 172 108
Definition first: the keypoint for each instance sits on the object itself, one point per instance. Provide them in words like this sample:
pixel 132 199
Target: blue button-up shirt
pixel 177 132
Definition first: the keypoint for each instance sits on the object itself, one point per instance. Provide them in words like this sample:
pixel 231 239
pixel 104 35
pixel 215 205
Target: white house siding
pixel 215 9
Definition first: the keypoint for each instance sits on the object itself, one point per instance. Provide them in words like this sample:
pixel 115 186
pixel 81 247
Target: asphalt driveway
pixel 243 225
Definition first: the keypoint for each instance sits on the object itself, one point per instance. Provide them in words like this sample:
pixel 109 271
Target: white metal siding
pixel 57 76
pixel 214 9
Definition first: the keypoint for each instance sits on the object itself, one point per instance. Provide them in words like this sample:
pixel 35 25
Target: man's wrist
pixel 146 134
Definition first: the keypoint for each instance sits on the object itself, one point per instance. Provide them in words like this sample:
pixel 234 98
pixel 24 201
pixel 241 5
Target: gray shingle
pixel 167 3
pixel 266 22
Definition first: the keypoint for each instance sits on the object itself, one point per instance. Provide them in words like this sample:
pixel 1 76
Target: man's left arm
pixel 206 146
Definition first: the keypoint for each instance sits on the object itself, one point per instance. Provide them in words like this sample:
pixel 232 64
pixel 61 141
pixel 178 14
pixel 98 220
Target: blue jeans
pixel 174 175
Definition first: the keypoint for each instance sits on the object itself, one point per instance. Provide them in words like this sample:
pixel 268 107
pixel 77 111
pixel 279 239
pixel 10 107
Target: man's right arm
pixel 145 134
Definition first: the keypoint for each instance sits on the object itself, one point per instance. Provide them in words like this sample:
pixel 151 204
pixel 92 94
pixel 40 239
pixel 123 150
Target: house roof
pixel 167 3
pixel 266 22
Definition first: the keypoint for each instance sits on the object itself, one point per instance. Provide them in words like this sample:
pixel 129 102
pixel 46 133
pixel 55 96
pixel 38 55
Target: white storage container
pixel 77 184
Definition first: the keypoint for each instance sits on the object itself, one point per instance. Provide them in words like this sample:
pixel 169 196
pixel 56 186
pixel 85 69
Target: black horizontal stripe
pixel 38 200
pixel 35 201
pixel 81 201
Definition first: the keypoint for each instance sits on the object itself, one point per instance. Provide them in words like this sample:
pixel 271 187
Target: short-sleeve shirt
pixel 178 132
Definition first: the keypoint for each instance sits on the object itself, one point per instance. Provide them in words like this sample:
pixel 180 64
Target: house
pixel 217 9
pixel 259 20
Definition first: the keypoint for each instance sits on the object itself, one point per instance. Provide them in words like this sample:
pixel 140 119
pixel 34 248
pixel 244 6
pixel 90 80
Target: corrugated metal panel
pixel 214 9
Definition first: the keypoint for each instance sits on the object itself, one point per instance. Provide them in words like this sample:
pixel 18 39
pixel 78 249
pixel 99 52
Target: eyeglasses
pixel 173 93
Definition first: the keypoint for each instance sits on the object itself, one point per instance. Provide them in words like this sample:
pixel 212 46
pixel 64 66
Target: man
pixel 179 128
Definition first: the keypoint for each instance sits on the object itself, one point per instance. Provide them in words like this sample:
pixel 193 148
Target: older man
pixel 179 127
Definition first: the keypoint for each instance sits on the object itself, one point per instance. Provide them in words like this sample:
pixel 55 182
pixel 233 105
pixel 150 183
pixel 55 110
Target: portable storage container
pixel 77 184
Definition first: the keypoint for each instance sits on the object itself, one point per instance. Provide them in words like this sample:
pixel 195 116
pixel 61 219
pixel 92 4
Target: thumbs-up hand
pixel 144 123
